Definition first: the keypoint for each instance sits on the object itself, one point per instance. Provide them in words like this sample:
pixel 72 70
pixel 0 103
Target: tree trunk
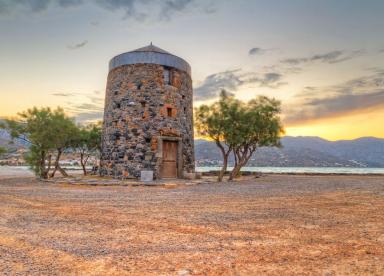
pixel 242 159
pixel 83 163
pixel 235 169
pixel 62 171
pixel 235 172
pixel 57 165
pixel 49 165
pixel 43 172
pixel 225 160
pixel 223 169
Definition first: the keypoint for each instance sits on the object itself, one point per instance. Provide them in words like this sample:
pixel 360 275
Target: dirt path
pixel 278 225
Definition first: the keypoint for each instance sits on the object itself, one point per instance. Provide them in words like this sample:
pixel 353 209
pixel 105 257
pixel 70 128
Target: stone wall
pixel 140 108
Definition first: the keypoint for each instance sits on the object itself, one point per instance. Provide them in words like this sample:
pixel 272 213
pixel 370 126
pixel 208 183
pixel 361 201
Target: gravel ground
pixel 318 225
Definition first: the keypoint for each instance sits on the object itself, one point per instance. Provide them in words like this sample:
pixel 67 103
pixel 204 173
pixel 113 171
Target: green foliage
pixel 240 127
pixel 2 151
pixel 258 125
pixel 216 122
pixel 36 158
pixel 87 142
pixel 65 130
pixel 46 131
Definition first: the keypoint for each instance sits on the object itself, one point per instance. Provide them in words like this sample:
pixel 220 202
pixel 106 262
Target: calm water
pixel 302 170
pixel 6 171
pixel 21 171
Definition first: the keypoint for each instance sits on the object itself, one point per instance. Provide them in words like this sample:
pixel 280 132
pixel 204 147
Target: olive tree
pixel 239 127
pixel 215 122
pixel 87 143
pixel 47 132
pixel 66 130
pixel 2 151
pixel 258 125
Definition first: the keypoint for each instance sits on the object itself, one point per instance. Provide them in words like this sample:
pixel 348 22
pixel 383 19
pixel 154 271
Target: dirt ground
pixel 274 225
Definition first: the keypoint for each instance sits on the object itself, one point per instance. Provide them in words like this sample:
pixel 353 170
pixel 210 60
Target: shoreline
pixel 256 173
pixel 9 172
pixel 205 176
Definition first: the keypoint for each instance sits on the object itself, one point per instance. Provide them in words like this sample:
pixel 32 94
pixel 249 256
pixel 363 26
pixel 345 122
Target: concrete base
pixel 146 176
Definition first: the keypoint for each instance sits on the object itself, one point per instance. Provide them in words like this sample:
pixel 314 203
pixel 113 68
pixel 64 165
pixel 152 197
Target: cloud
pixel 128 6
pixel 317 103
pixel 84 107
pixel 256 51
pixel 69 3
pixel 164 10
pixel 330 58
pixel 96 100
pixel 214 83
pixel 136 9
pixel 171 6
pixel 232 80
pixel 87 107
pixel 78 45
pixel 271 80
pixel 89 116
pixel 34 6
pixel 260 51
pixel 63 94
pixel 84 112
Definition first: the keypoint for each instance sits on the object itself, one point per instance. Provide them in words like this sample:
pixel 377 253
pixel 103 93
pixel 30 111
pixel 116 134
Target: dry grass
pixel 275 225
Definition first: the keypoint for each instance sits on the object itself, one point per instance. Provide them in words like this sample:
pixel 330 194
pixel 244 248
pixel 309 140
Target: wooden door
pixel 169 168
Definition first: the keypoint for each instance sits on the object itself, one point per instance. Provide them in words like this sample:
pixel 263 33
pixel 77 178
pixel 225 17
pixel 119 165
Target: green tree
pixel 66 129
pixel 239 127
pixel 258 125
pixel 41 128
pixel 216 122
pixel 2 151
pixel 87 143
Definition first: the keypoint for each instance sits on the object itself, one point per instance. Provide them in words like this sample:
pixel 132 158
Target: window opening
pixel 167 76
pixel 169 112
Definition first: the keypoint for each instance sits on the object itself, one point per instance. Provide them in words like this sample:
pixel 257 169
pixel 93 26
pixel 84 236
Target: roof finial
pixel 151 43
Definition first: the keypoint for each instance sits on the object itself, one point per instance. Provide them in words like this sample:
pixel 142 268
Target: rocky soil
pixel 276 225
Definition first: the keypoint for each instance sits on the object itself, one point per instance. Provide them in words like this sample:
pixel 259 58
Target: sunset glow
pixel 324 61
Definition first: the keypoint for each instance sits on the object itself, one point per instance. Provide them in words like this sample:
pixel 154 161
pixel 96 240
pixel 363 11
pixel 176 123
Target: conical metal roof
pixel 151 48
pixel 150 54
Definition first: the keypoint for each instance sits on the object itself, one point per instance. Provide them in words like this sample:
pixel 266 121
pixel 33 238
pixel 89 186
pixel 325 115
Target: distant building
pixel 148 116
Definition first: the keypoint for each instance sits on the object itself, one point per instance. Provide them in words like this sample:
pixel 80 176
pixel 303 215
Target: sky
pixel 324 59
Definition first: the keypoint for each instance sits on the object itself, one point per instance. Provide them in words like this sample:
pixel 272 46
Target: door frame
pixel 179 161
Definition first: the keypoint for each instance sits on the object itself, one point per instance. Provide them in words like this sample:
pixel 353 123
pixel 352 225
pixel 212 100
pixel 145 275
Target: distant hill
pixel 303 151
pixel 306 152
pixel 6 141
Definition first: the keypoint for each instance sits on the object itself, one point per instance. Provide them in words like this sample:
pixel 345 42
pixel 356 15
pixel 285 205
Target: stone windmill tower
pixel 148 116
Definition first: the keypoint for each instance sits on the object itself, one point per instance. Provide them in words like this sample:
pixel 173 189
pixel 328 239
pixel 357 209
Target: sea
pixel 11 171
pixel 315 170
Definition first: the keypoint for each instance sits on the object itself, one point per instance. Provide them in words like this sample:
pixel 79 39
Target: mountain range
pixel 6 141
pixel 305 152
pixel 302 151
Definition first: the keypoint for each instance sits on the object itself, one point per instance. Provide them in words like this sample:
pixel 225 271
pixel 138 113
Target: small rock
pixel 184 272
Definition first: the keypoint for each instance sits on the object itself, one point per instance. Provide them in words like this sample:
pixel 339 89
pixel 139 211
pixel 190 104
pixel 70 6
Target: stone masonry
pixel 142 108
